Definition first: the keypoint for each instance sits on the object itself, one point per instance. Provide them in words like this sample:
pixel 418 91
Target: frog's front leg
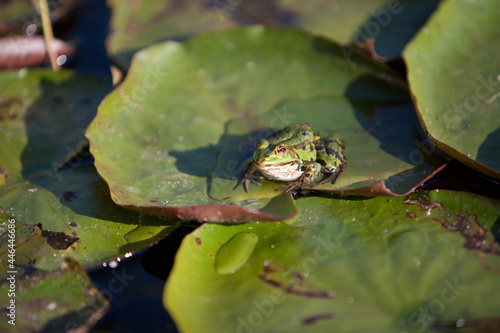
pixel 311 176
pixel 249 177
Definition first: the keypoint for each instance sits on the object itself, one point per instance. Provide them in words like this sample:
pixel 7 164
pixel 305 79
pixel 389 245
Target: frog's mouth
pixel 286 171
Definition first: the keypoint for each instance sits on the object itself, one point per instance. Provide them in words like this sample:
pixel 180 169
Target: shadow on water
pixel 488 152
pixel 395 24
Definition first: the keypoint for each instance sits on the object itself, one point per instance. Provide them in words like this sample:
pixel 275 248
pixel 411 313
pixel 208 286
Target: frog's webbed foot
pixel 245 181
pixel 249 177
pixel 332 175
pixel 291 187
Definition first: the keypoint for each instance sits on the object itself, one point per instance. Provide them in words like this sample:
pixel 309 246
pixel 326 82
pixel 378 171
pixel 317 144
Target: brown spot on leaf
pixel 198 240
pixel 69 196
pixel 411 215
pixel 291 282
pixel 424 204
pixel 73 224
pixel 477 237
pixel 58 240
pixel 10 108
pixel 314 319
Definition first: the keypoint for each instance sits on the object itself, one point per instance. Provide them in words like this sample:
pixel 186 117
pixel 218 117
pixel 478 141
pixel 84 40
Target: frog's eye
pixel 306 135
pixel 281 150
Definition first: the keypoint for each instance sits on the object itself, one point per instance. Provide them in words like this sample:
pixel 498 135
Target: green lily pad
pixel 60 212
pixel 455 82
pixel 140 24
pixel 43 116
pixel 77 304
pixel 76 219
pixel 425 262
pixel 157 136
pixel 385 152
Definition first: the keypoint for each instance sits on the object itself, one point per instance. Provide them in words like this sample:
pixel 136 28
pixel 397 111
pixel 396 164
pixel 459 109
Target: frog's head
pixel 267 154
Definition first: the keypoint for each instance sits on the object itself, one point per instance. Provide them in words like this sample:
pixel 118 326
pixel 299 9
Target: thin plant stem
pixel 48 34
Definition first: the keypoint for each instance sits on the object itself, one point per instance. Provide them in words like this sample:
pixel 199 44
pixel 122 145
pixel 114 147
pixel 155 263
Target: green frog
pixel 297 155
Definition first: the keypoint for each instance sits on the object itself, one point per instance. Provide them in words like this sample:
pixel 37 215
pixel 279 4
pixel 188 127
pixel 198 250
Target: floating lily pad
pixel 60 300
pixel 424 262
pixel 60 212
pixel 386 155
pixel 139 24
pixel 456 84
pixel 76 218
pixel 43 116
pixel 157 136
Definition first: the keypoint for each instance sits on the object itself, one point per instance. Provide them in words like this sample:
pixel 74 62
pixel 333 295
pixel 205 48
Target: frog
pixel 298 156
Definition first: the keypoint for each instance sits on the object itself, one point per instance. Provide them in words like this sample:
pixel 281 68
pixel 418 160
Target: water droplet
pixel 52 306
pixel 133 189
pixel 460 323
pixel 113 264
pixel 250 65
pixel 61 60
pixel 235 252
pixel 31 29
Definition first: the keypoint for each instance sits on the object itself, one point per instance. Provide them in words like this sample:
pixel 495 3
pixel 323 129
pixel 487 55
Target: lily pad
pixel 43 116
pixel 76 219
pixel 157 136
pixel 455 84
pixel 61 207
pixel 140 23
pixel 425 262
pixel 77 304
pixel 386 155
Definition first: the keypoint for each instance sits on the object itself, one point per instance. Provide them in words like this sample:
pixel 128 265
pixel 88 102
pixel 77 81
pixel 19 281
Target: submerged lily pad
pixel 386 155
pixel 423 262
pixel 60 300
pixel 455 81
pixel 157 136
